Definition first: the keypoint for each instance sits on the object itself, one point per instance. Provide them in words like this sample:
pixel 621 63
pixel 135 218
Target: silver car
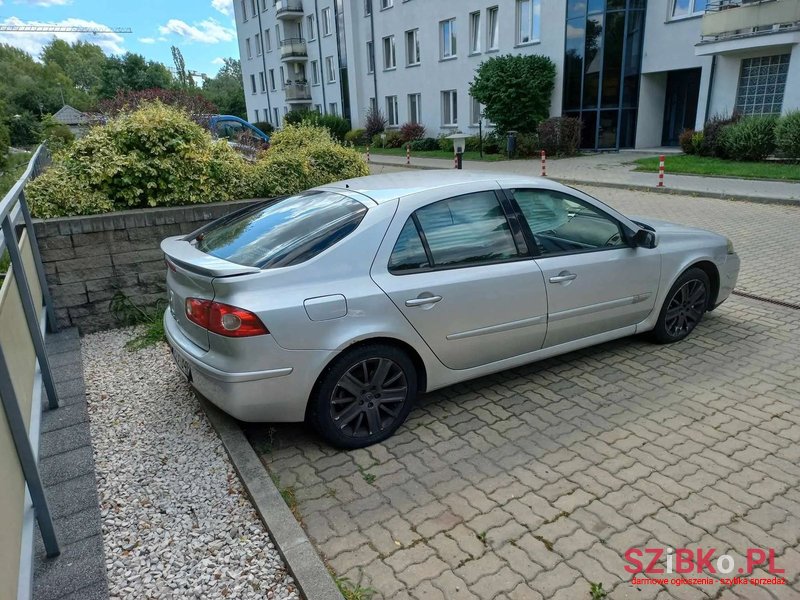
pixel 341 304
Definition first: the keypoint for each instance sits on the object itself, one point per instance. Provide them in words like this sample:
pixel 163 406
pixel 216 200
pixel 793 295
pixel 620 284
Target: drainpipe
pixel 374 52
pixel 264 63
pixel 321 63
pixel 710 86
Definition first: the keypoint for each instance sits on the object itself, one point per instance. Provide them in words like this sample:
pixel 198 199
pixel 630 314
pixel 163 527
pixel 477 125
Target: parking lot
pixel 533 483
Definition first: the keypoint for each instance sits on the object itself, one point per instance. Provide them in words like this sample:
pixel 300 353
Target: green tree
pixel 226 89
pixel 82 62
pixel 515 90
pixel 132 72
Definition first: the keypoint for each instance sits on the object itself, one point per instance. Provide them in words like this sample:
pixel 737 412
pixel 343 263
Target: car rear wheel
pixel 684 307
pixel 364 396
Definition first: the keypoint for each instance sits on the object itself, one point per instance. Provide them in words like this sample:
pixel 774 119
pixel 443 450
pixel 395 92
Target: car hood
pixel 668 227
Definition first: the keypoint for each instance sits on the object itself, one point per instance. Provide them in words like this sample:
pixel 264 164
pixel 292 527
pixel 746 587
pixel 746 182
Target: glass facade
pixel 602 65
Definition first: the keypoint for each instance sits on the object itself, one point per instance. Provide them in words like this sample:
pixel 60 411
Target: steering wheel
pixel 614 240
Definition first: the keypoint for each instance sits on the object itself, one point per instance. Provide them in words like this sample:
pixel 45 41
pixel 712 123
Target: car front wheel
pixel 684 307
pixel 364 396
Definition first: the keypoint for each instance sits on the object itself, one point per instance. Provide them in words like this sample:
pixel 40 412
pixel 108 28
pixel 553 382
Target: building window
pixel 685 8
pixel 314 72
pixel 272 79
pixel 267 40
pixel 528 21
pixel 253 83
pixel 263 81
pixel 259 48
pixel 330 69
pixel 475 111
pixel 253 7
pixel 256 111
pixel 450 108
pixel 263 9
pixel 415 108
pixel 283 79
pixel 492 28
pixel 367 8
pixel 249 47
pixel 392 116
pixel 762 83
pixel 386 4
pixel 373 104
pixel 475 33
pixel 412 47
pixel 326 21
pixel 333 109
pixel 243 4
pixel 447 39
pixel 370 57
pixel 389 58
pixel 277 117
pixel 310 29
pixel 318 108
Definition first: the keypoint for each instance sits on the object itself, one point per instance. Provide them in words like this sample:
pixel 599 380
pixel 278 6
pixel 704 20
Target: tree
pixel 132 72
pixel 82 62
pixel 226 89
pixel 190 101
pixel 515 90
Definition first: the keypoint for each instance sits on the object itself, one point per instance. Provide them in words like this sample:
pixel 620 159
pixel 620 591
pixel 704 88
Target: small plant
pixel 787 135
pixel 712 133
pixel 374 123
pixel 355 137
pixel 352 591
pixel 686 141
pixel 482 537
pixel 559 136
pixel 368 477
pixel 288 494
pixel 597 592
pixel 412 131
pixel 751 138
pixel 425 144
pixel 128 313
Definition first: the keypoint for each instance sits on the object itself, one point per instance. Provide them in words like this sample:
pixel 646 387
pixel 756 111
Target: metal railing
pixel 727 19
pixel 298 92
pixel 294 47
pixel 287 7
pixel 26 310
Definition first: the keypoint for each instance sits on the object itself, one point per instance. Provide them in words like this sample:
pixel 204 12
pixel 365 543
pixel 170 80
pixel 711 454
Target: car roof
pixel 390 186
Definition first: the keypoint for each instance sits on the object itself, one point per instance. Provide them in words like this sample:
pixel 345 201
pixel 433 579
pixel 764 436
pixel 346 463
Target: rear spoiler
pixel 185 255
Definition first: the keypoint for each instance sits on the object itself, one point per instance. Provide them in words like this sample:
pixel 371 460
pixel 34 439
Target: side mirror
pixel 644 239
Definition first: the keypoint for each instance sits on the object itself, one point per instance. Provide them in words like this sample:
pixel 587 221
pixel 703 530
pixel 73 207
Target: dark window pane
pixel 589 131
pixel 285 232
pixel 593 60
pixel 576 8
pixel 607 132
pixel 627 134
pixel 573 63
pixel 466 230
pixel 408 252
pixel 633 58
pixel 612 59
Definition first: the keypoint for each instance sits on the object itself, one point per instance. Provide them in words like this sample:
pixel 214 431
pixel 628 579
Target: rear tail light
pixel 224 319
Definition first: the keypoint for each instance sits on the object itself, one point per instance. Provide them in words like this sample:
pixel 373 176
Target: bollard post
pixel 660 171
pixel 408 155
pixel 544 163
pixel 455 161
pixel 367 154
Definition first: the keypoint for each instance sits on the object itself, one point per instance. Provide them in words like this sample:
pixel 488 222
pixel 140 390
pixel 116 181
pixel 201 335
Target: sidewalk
pixel 615 170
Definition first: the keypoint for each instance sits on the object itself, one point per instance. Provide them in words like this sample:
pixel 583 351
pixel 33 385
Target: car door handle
pixel 423 301
pixel 562 277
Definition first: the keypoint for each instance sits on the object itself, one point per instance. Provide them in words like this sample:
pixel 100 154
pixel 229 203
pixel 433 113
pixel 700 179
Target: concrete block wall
pixel 88 259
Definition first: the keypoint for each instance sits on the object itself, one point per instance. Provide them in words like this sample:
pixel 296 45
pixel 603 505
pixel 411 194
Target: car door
pixel 461 273
pixel 596 280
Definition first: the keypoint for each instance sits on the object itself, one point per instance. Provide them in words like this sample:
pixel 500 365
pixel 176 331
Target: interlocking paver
pixel 531 483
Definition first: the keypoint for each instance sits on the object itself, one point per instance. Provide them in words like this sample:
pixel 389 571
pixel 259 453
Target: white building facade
pixel 637 72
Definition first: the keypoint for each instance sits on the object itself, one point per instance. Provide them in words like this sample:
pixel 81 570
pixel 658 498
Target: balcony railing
pixel 725 19
pixel 293 48
pixel 289 9
pixel 298 92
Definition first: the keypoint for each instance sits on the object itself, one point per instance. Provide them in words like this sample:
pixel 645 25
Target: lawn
pixel 717 167
pixel 433 154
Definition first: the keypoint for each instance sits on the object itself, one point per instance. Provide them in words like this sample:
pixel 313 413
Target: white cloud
pixel 147 40
pixel 208 31
pixel 33 42
pixel 44 2
pixel 223 6
pixel 218 61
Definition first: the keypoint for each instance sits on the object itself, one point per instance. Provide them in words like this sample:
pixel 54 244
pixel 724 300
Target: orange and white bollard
pixel 660 171
pixel 367 154
pixel 544 163
pixel 408 155
pixel 455 162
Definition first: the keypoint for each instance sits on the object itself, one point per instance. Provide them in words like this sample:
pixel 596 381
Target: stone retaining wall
pixel 88 259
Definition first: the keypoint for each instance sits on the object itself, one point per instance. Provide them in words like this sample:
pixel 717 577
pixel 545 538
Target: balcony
pixel 738 19
pixel 298 93
pixel 289 10
pixel 294 49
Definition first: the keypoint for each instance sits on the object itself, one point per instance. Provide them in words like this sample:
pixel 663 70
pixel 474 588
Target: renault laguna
pixel 339 305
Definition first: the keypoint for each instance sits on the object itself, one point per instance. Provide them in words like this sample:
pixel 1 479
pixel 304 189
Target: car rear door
pixel 596 280
pixel 459 270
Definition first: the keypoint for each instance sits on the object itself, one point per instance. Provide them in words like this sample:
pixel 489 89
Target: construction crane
pixel 62 29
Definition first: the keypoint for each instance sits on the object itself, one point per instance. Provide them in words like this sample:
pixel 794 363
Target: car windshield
pixel 285 232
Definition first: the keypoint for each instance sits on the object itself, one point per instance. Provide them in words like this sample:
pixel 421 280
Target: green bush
pixel 296 116
pixel 787 135
pixel 24 129
pixel 5 142
pixel 374 123
pixel 57 135
pixel 387 139
pixel 711 135
pixel 338 126
pixel 445 145
pixel 412 131
pixel 355 137
pixel 425 145
pixel 300 137
pixel 686 141
pixel 493 143
pixel 560 136
pixel 751 138
pixel 264 126
pixel 698 140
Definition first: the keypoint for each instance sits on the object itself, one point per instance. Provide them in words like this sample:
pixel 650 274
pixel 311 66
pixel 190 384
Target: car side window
pixel 409 253
pixel 563 224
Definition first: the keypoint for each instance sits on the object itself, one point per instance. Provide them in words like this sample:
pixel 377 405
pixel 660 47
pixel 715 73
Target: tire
pixel 350 406
pixel 684 307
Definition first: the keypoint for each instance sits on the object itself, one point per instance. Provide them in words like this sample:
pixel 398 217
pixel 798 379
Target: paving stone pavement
pixel 532 483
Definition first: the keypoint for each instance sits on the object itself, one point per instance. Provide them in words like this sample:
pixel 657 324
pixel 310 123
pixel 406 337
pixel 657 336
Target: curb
pixel 302 560
pixel 635 187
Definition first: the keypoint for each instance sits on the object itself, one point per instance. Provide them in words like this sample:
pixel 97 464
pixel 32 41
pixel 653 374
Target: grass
pixel 352 591
pixel 718 167
pixel 433 154
pixel 13 170
pixel 597 592
pixel 127 312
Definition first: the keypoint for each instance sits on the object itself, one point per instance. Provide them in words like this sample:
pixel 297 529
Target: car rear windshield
pixel 285 232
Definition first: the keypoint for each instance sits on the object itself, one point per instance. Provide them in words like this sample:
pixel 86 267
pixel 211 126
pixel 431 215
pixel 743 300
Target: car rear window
pixel 285 232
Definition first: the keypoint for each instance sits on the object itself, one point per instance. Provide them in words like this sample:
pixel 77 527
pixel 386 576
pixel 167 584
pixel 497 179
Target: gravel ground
pixel 176 520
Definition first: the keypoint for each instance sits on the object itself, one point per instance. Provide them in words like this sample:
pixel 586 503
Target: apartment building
pixel 636 72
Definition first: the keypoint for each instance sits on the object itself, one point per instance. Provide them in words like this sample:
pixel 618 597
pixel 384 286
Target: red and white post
pixel 408 155
pixel 660 171
pixel 367 154
pixel 544 163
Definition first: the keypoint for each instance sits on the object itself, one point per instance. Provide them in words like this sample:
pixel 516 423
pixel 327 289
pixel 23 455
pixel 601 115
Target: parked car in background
pixel 241 135
pixel 340 304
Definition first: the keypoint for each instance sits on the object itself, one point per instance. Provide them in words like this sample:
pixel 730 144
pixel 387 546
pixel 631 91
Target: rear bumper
pixel 278 394
pixel 728 275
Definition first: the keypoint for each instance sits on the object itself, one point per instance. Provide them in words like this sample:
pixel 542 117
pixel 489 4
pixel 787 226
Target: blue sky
pixel 204 30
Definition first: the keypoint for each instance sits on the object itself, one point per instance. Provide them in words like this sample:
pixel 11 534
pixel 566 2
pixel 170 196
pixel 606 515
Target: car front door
pixel 596 280
pixel 459 270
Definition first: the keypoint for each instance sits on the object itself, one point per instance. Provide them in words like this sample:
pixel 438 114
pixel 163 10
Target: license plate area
pixel 182 364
